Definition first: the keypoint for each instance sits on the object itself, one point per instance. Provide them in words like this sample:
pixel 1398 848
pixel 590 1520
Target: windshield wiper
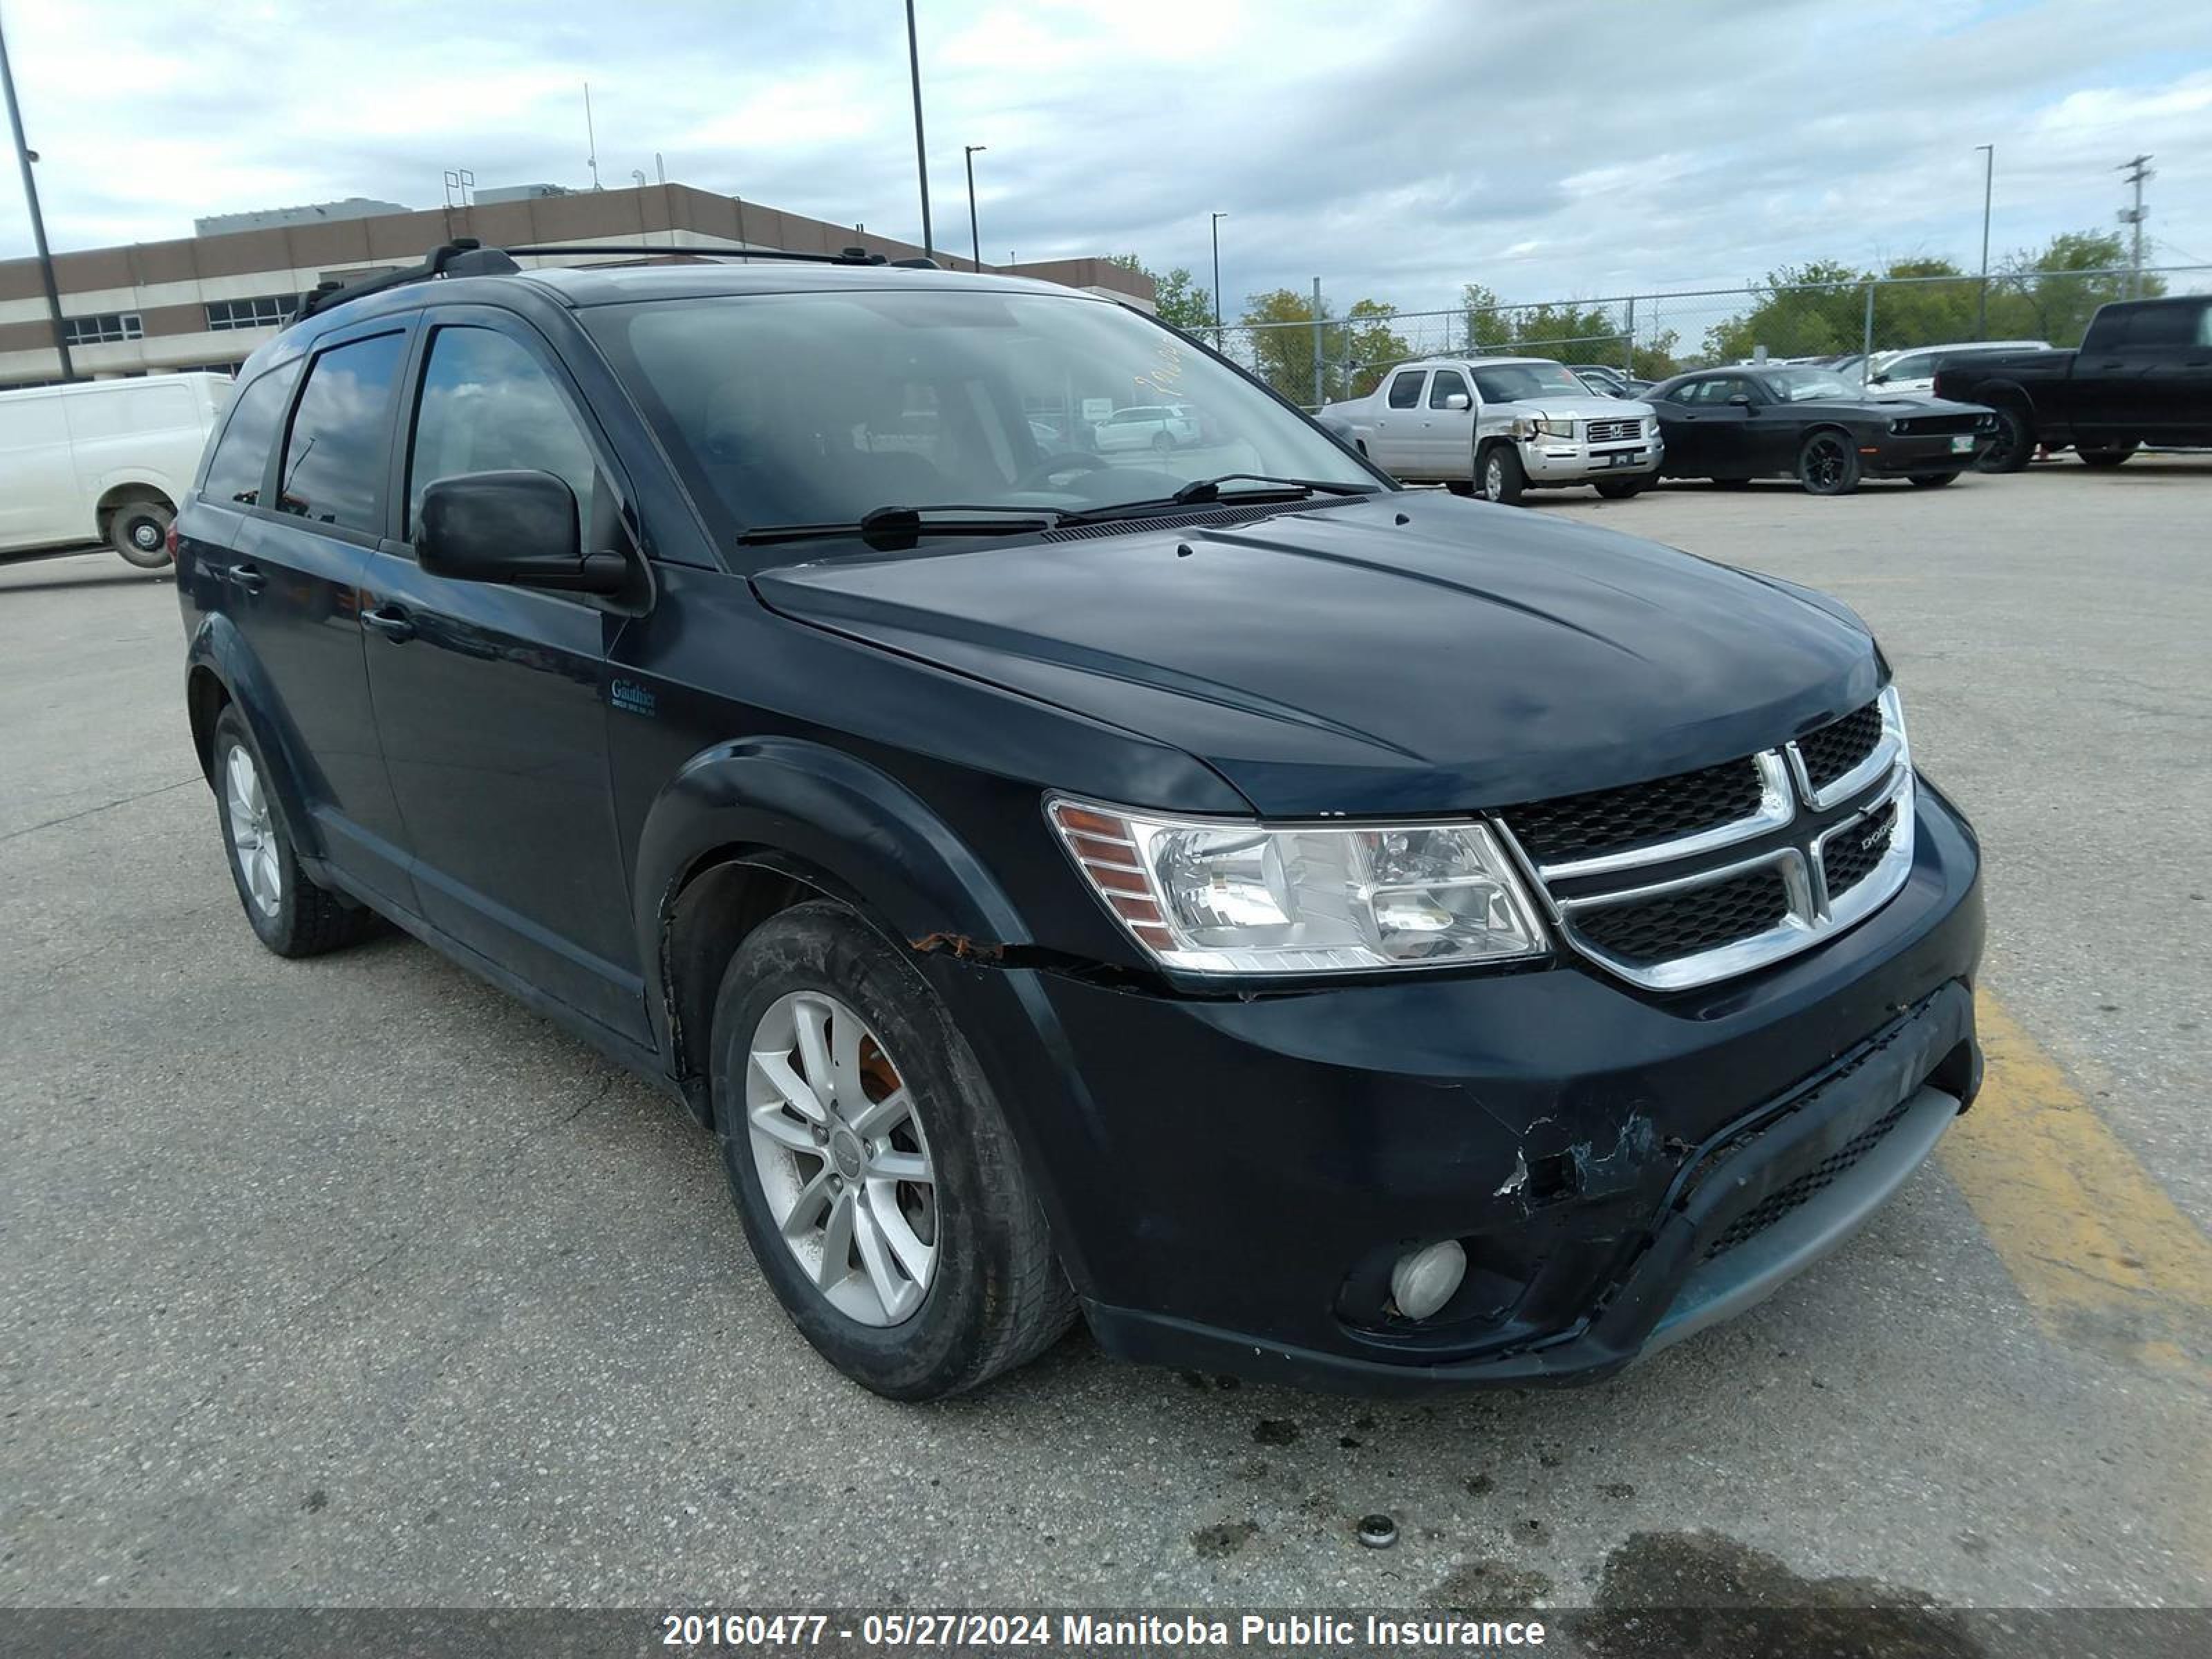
pixel 1209 489
pixel 891 528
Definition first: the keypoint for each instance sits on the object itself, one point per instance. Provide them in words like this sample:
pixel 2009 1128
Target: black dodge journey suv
pixel 1313 929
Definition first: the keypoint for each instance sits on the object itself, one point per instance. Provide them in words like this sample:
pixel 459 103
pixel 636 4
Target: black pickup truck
pixel 2143 376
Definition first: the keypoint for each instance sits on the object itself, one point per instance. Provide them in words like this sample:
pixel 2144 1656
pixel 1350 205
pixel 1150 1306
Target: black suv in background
pixel 1318 930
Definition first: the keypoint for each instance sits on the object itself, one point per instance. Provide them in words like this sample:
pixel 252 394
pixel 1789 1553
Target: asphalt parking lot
pixel 351 1281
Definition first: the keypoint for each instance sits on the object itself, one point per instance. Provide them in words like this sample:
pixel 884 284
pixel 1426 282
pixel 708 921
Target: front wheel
pixel 1619 490
pixel 2112 457
pixel 1934 480
pixel 139 531
pixel 1827 464
pixel 878 1182
pixel 2012 448
pixel 1502 478
pixel 290 913
pixel 1164 443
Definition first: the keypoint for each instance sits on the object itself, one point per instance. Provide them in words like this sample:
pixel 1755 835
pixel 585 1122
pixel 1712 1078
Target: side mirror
pixel 518 527
pixel 1457 400
pixel 1881 379
pixel 1741 400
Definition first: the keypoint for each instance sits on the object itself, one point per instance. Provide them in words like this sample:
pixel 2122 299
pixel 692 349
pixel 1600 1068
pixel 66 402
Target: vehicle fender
pixel 158 481
pixel 218 649
pixel 823 811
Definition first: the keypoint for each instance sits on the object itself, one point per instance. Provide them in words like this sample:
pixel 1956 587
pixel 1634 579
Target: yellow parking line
pixel 2094 1244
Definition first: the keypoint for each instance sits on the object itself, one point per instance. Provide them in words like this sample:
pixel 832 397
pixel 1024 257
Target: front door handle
pixel 392 622
pixel 246 578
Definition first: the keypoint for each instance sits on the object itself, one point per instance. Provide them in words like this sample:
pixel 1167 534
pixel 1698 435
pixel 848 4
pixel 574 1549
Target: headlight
pixel 1225 898
pixel 1555 429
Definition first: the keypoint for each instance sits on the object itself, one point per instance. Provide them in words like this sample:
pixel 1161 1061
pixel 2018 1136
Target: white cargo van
pixel 103 460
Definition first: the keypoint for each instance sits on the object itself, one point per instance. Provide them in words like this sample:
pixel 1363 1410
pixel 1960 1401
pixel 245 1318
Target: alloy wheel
pixel 1826 462
pixel 841 1157
pixel 252 831
pixel 1493 479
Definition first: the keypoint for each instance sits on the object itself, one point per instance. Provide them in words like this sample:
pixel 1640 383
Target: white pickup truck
pixel 1498 426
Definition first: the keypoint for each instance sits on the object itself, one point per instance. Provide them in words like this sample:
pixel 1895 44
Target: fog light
pixel 1425 1280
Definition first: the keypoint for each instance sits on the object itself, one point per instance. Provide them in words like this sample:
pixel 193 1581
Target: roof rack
pixel 851 256
pixel 464 256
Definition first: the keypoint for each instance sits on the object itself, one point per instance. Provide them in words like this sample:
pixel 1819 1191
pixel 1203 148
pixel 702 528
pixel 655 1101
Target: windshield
pixel 820 408
pixel 1513 383
pixel 1801 386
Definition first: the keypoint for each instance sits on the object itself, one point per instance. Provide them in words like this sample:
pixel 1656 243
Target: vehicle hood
pixel 1904 404
pixel 1408 652
pixel 1564 408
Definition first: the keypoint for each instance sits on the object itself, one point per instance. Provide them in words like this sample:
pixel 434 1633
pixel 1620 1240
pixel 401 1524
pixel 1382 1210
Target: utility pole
pixel 1989 179
pixel 590 137
pixel 2137 170
pixel 921 150
pixel 1217 218
pixel 975 236
pixel 24 156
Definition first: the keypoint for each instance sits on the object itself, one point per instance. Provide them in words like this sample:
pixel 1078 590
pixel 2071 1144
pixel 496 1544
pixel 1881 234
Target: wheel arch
pixel 221 670
pixel 115 495
pixel 750 828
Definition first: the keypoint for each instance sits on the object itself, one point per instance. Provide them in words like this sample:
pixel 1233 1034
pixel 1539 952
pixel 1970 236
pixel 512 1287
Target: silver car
pixel 1157 427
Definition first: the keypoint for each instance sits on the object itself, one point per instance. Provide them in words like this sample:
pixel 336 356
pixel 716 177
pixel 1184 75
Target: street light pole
pixel 1989 177
pixel 974 237
pixel 1217 218
pixel 920 150
pixel 24 156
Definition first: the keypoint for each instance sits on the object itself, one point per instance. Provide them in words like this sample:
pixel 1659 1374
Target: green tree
pixel 1799 311
pixel 1356 349
pixel 2043 294
pixel 1180 301
pixel 1572 332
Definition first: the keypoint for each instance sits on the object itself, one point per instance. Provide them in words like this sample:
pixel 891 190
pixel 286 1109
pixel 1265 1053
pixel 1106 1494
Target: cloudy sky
pixel 1393 147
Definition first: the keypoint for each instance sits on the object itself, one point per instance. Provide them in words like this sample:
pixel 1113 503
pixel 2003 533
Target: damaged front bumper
pixel 1230 1179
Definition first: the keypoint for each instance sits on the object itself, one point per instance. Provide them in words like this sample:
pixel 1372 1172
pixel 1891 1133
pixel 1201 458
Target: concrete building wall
pixel 170 287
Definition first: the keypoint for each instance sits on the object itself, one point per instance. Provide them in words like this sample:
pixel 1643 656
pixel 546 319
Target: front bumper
pixel 1570 460
pixel 1901 454
pixel 1228 1180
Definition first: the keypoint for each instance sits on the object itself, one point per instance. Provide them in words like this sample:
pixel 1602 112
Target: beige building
pixel 207 301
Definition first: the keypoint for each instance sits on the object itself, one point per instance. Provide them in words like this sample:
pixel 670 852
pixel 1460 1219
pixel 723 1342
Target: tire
pixel 139 529
pixel 1934 480
pixel 2014 447
pixel 1620 490
pixel 1500 479
pixel 290 913
pixel 2113 457
pixel 1164 443
pixel 990 1295
pixel 1827 464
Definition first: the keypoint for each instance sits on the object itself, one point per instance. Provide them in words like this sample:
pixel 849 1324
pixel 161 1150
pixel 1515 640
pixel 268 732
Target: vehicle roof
pixel 1475 358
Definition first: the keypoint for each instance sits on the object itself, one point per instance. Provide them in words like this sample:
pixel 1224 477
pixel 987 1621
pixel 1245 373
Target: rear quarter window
pixel 240 460
pixel 333 471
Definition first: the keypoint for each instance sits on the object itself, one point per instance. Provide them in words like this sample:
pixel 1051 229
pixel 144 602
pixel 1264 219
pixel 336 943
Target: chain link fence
pixel 1649 337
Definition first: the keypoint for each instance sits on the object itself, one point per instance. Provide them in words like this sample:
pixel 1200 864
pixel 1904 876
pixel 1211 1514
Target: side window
pixel 2163 326
pixel 488 405
pixel 241 454
pixel 2204 325
pixel 1917 366
pixel 1446 383
pixel 1405 389
pixel 1696 393
pixel 334 470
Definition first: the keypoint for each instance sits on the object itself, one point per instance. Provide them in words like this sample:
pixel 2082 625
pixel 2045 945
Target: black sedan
pixel 1782 421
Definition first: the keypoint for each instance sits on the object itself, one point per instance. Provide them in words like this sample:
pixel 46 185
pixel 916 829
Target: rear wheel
pixel 290 913
pixel 2112 457
pixel 1503 479
pixel 1934 480
pixel 878 1182
pixel 1827 464
pixel 139 530
pixel 1619 490
pixel 2013 447
pixel 1163 442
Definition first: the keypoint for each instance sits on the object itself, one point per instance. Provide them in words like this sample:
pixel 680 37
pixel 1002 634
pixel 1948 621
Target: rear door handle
pixel 392 622
pixel 247 577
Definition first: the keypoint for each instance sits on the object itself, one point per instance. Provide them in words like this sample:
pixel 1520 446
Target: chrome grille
pixel 1614 432
pixel 1703 875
